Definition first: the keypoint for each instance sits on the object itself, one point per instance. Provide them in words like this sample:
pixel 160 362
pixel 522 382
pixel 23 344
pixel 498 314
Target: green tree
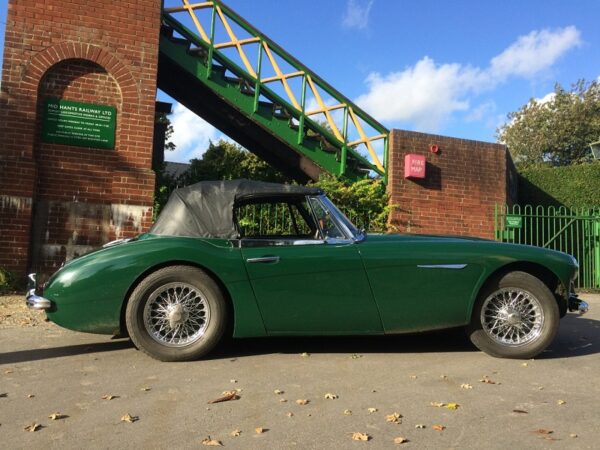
pixel 228 161
pixel 557 132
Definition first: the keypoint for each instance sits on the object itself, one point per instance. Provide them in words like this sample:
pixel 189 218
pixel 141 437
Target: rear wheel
pixel 516 316
pixel 177 313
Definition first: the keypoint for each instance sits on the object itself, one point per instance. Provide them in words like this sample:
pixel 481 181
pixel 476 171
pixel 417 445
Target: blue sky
pixel 453 68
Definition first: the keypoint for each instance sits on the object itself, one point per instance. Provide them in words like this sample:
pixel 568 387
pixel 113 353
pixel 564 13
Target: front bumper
pixel 33 300
pixel 37 302
pixel 576 304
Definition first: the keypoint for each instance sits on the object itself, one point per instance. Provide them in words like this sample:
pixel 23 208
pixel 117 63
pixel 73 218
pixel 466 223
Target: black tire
pixel 523 331
pixel 200 309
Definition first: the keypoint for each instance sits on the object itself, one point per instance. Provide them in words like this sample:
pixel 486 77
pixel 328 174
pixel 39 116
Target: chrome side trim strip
pixel 442 266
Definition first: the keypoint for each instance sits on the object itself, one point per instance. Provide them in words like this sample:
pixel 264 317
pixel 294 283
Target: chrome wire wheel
pixel 512 317
pixel 176 314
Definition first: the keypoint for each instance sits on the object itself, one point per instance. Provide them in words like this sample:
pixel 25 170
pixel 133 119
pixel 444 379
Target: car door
pixel 307 283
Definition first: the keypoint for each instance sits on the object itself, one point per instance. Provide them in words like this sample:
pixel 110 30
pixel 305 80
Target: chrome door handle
pixel 264 259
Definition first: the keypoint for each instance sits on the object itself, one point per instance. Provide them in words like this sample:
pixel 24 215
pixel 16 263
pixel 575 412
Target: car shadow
pixel 59 352
pixel 577 336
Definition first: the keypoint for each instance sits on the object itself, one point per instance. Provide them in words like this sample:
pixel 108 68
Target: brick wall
pixel 464 181
pixel 64 199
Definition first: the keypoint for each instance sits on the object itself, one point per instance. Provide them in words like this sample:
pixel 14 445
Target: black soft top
pixel 205 209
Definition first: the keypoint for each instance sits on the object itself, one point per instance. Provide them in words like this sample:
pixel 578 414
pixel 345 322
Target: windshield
pixel 348 226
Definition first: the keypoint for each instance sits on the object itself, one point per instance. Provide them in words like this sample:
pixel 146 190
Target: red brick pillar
pixel 58 201
pixel 463 182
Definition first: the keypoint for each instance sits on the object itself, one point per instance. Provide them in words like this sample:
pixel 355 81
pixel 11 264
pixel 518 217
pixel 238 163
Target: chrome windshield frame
pixel 340 220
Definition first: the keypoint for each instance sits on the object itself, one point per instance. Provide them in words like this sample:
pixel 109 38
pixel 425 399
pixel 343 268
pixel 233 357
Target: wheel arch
pixel 154 268
pixel 541 272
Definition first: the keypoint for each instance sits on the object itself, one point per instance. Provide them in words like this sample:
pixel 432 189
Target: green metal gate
pixel 571 230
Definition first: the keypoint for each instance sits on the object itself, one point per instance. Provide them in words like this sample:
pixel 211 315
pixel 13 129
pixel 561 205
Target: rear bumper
pixel 576 304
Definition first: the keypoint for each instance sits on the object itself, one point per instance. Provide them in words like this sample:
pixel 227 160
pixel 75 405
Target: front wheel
pixel 177 313
pixel 516 316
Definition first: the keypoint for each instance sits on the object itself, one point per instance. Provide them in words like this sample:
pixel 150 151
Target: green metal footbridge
pixel 223 69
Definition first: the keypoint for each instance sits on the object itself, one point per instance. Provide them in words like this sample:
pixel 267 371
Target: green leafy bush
pixel 574 186
pixel 365 202
pixel 7 280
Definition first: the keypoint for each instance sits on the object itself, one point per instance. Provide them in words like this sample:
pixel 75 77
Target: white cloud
pixel 546 98
pixel 534 52
pixel 424 94
pixel 481 112
pixel 357 14
pixel 427 94
pixel 191 135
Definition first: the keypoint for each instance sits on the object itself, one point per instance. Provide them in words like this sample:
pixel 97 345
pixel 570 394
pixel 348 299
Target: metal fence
pixel 571 230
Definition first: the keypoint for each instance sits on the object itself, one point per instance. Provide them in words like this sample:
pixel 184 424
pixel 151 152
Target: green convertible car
pixel 262 259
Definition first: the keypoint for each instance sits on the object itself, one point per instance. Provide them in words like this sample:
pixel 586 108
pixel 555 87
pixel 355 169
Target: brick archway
pixel 44 60
pixel 83 189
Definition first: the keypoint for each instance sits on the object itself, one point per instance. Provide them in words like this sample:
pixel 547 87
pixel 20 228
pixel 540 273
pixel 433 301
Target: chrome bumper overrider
pixel 575 304
pixel 36 302
pixel 33 300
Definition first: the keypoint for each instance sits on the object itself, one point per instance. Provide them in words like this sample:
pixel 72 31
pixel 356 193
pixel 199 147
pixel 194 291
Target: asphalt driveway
pixel 445 393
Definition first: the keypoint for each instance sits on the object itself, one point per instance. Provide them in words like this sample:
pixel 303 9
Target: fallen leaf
pixel 466 386
pixel 7 371
pixel 561 402
pixel 438 427
pixel 524 364
pixel 227 396
pixel 393 418
pixel 304 354
pixel 33 427
pixel 145 389
pixel 356 436
pixel 437 404
pixel 30 395
pixel 211 442
pixel 541 388
pixel 520 411
pixel 302 401
pixel 420 426
pixel 347 412
pixel 372 410
pixel 282 400
pixel 57 416
pixel 414 377
pixel 235 433
pixel 260 430
pixel 330 396
pixel 278 391
pixel 452 406
pixel 400 440
pixel 573 435
pixel 542 431
pixel 129 418
pixel 487 380
pixel 109 397
pixel 233 381
pixel 290 414
pixel 356 356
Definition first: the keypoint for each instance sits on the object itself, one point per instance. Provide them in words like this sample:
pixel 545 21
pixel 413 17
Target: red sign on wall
pixel 414 166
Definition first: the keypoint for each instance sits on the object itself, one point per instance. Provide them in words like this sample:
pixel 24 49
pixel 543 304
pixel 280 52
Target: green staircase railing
pixel 258 77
